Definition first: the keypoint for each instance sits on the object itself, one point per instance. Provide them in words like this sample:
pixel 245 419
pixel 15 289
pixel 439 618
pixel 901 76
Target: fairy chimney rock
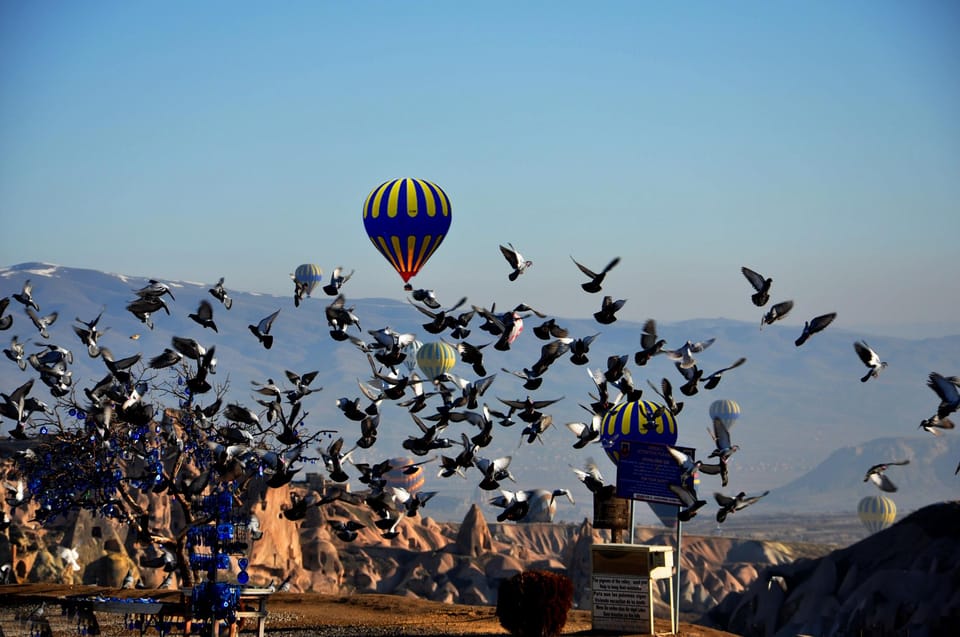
pixel 474 536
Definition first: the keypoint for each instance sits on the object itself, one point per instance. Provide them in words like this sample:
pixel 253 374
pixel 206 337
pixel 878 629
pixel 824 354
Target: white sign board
pixel 622 603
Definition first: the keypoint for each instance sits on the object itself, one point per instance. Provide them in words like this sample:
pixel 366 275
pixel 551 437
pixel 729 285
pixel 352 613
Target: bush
pixel 534 603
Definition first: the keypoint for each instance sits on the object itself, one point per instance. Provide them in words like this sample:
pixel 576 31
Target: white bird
pixel 876 475
pixel 516 261
pixel 688 466
pixel 70 556
pixel 683 355
pixel 870 359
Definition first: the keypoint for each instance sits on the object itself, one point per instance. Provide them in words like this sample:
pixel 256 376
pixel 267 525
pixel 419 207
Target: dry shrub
pixel 534 603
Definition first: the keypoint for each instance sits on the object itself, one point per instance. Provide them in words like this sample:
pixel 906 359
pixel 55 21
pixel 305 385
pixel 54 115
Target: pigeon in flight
pixel 337 279
pixel 516 261
pixel 596 278
pixel 204 315
pixel 721 439
pixel 947 389
pixel 776 312
pixel 870 359
pixel 683 355
pixel 731 505
pixel 549 329
pixel 667 395
pixel 876 475
pixel 42 322
pixel 607 313
pixel 25 296
pixel 687 493
pixel 586 432
pixel 814 325
pixel 649 342
pixel 220 293
pixel 16 353
pixel 688 466
pixel 262 330
pixel 5 321
pixel 712 380
pixel 760 284
pixel 935 423
pixel 427 297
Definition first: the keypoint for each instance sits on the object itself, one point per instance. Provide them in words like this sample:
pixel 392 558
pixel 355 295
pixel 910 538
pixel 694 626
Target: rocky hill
pixel 904 580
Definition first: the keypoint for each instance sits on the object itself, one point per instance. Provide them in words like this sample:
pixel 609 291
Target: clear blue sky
pixel 817 142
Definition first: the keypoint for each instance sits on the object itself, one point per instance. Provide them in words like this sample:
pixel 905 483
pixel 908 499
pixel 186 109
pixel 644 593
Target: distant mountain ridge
pixel 807 423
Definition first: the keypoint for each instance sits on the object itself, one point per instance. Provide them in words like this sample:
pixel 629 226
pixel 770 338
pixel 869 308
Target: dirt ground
pixel 302 614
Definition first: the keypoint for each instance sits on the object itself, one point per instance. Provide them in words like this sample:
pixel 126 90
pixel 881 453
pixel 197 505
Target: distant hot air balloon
pixel 436 359
pixel 726 410
pixel 308 275
pixel 411 350
pixel 636 421
pixel 407 219
pixel 411 479
pixel 877 512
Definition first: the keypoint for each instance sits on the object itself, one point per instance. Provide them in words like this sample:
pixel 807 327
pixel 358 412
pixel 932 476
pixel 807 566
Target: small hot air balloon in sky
pixel 308 276
pixel 405 475
pixel 407 219
pixel 728 411
pixel 877 512
pixel 636 421
pixel 436 359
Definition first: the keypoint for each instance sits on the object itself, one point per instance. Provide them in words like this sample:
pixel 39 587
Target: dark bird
pixel 16 353
pixel 220 293
pixel 814 325
pixel 204 315
pixel 154 288
pixel 471 355
pixel 516 261
pixel 732 505
pixel 760 285
pixel 692 376
pixel 25 296
pixel 876 475
pixel 340 317
pixel 721 468
pixel 515 505
pixel 591 477
pixel 691 503
pixel 607 313
pixel 494 471
pixel 528 409
pixel 721 440
pixel 144 307
pixel 337 279
pixel 688 466
pixel 580 347
pixel 650 344
pixel 441 319
pixel 712 380
pixel 667 395
pixel 262 330
pixel 596 278
pixel 870 359
pixel 6 320
pixel 427 297
pixel 549 353
pixel 549 329
pixel 947 389
pixel 346 531
pixel 586 432
pixel 935 423
pixel 776 312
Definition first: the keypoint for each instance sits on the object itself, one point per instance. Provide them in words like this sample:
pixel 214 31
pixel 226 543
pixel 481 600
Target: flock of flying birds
pixel 240 446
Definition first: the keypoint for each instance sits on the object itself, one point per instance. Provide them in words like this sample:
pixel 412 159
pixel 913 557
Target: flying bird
pixel 516 261
pixel 337 279
pixel 712 380
pixel 731 505
pixel 42 322
pixel 6 320
pixel 761 286
pixel 870 359
pixel 204 315
pixel 596 278
pixel 935 423
pixel 814 325
pixel 683 355
pixel 876 474
pixel 262 330
pixel 220 293
pixel 607 313
pixel 776 312
pixel 649 342
pixel 25 296
pixel 947 389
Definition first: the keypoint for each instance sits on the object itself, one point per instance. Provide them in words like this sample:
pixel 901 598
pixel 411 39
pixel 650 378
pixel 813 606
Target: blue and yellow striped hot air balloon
pixel 407 219
pixel 436 359
pixel 877 512
pixel 309 276
pixel 636 421
pixel 726 410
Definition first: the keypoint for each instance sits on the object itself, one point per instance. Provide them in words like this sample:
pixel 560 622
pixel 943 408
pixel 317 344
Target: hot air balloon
pixel 411 350
pixel 636 421
pixel 308 276
pixel 877 512
pixel 407 219
pixel 398 477
pixel 436 359
pixel 726 410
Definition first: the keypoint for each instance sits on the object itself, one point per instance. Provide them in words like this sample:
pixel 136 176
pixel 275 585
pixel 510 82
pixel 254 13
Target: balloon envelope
pixel 411 351
pixel 634 422
pixel 436 359
pixel 309 275
pixel 397 477
pixel 877 512
pixel 407 219
pixel 726 410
